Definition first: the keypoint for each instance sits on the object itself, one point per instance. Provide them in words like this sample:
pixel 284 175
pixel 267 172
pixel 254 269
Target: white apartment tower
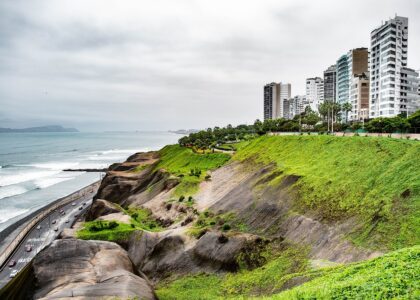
pixel 388 58
pixel 314 92
pixel 274 96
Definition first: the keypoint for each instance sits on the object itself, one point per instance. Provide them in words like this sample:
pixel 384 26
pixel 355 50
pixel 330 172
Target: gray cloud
pixel 164 64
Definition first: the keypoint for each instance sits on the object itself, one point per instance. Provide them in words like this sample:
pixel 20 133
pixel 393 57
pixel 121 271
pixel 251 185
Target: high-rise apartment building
pixel 389 43
pixel 294 106
pixel 410 87
pixel 355 62
pixel 314 92
pixel 330 82
pixel 274 95
pixel 359 97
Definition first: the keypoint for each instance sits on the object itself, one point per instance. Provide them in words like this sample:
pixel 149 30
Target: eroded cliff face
pixel 72 268
pixel 260 198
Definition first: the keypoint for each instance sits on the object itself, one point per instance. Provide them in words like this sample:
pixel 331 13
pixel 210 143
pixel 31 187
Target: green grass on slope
pixel 374 179
pixel 141 219
pixel 392 276
pixel 263 280
pixel 180 161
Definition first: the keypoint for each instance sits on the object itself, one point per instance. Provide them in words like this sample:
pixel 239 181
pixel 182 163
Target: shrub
pixel 226 227
pixel 181 198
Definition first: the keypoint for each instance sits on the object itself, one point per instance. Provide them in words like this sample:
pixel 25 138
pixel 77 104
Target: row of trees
pixel 306 121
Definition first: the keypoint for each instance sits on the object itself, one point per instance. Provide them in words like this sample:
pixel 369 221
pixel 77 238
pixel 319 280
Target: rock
pixel 119 217
pixel 159 255
pixel 101 207
pixel 88 270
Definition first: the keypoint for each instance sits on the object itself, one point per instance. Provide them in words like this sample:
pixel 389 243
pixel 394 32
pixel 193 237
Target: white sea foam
pixel 11 212
pixel 24 176
pixel 56 166
pixel 12 190
pixel 46 182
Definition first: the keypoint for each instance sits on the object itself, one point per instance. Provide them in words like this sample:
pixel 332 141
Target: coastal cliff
pixel 265 221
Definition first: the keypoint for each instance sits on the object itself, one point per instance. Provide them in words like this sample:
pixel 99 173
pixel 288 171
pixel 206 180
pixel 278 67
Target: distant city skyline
pixel 163 65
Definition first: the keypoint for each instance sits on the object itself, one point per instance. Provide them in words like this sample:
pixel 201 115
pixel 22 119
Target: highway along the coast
pixel 43 232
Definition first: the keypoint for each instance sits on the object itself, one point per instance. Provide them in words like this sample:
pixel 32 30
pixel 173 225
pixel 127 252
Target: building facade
pixel 314 92
pixel 330 82
pixel 410 87
pixel 355 62
pixel 274 95
pixel 294 106
pixel 359 97
pixel 389 43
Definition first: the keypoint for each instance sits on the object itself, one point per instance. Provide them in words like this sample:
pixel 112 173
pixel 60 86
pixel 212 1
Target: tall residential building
pixel 388 58
pixel 410 87
pixel 314 92
pixel 359 97
pixel 330 76
pixel 294 106
pixel 355 62
pixel 274 94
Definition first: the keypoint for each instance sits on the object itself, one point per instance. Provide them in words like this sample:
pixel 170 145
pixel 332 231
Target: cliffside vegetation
pixel 189 166
pixel 375 180
pixel 394 275
pixel 140 219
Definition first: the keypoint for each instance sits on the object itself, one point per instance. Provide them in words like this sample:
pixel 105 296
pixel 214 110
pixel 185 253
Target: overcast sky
pixel 144 65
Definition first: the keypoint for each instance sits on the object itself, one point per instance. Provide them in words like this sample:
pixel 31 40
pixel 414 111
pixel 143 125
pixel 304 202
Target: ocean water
pixel 31 164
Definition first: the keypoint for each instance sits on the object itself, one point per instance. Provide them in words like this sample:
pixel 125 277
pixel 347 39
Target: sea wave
pixel 46 182
pixel 24 176
pixel 11 212
pixel 12 190
pixel 56 166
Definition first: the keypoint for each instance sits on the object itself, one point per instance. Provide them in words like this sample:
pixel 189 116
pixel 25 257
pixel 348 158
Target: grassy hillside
pixel 392 276
pixel 189 166
pixel 375 179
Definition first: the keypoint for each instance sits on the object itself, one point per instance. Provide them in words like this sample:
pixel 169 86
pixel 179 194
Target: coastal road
pixel 43 233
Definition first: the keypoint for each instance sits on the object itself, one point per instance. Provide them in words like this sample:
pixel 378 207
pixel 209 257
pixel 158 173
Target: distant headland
pixel 48 128
pixel 184 131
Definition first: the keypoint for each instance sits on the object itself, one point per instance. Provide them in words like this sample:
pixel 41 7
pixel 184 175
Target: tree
pixel 414 121
pixel 346 107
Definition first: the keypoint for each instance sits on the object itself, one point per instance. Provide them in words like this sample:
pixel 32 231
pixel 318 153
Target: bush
pixel 181 198
pixel 226 227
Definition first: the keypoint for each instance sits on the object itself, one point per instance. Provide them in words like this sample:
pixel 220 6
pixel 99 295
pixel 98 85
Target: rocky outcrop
pixel 160 255
pixel 101 207
pixel 87 270
pixel 269 209
pixel 126 188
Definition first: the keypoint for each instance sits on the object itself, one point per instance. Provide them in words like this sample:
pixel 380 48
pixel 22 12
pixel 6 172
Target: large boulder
pixel 87 270
pixel 101 207
pixel 160 255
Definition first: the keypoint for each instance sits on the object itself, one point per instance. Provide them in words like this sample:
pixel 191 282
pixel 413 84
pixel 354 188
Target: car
pixel 28 248
pixel 67 221
pixel 73 204
pixel 80 208
pixel 76 215
pixel 84 203
pixel 63 213
pixel 12 263
pixel 39 227
pixel 13 273
pixel 54 221
pixel 55 228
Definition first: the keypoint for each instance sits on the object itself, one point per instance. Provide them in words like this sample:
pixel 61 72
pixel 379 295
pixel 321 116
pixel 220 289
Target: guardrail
pixel 39 215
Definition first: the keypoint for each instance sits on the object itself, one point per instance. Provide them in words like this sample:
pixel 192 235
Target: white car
pixel 13 273
pixel 39 227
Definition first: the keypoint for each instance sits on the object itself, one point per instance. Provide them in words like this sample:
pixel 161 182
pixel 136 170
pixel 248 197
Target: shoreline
pixel 14 228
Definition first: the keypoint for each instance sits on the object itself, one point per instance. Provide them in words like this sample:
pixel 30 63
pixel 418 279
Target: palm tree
pixel 346 107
